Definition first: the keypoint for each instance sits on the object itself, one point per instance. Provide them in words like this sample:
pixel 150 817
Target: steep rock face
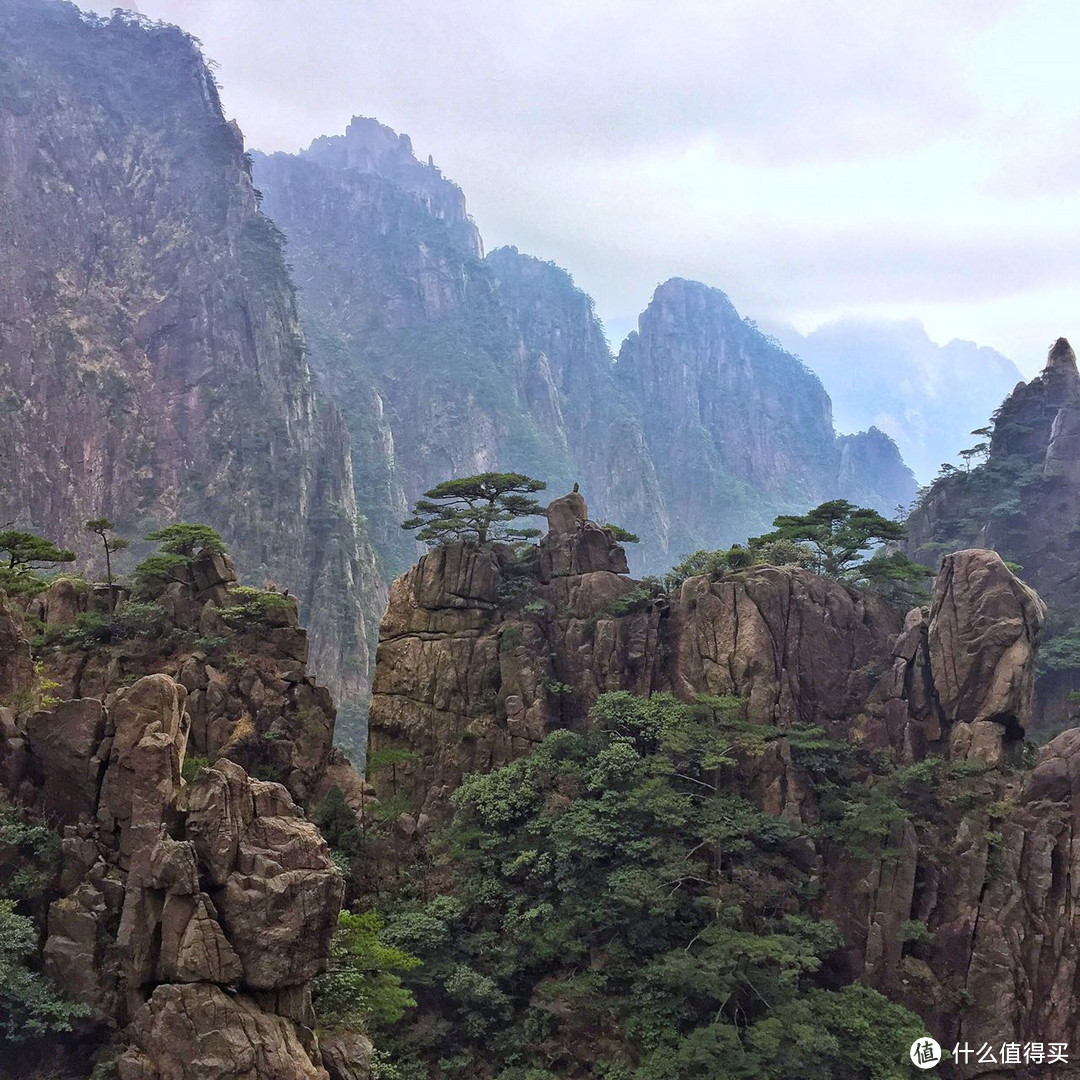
pixel 190 915
pixel 1023 502
pixel 408 335
pixel 446 365
pixel 370 147
pixel 151 354
pixel 467 679
pixel 952 681
pixel 738 429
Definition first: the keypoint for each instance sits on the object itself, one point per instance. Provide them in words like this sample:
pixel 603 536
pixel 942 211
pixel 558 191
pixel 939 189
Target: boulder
pixel 196 1031
pixel 985 626
pixel 575 545
pixel 346 1055
pixel 277 890
pixel 64 742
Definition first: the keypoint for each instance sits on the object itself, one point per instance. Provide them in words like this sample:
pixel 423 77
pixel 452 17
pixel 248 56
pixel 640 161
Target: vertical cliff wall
pixel 930 709
pixel 1023 501
pixel 151 355
pixel 446 364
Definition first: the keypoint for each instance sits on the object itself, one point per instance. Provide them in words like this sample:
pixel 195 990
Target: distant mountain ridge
pixel 447 363
pixel 889 373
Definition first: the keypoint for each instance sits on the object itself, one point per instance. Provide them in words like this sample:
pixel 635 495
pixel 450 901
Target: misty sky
pixel 813 158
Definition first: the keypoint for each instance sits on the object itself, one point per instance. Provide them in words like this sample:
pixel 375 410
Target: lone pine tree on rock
pixel 477 509
pixel 103 527
pixel 22 555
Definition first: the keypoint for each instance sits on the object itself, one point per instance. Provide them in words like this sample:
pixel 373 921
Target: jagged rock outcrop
pixel 460 660
pixel 1023 502
pixel 152 357
pixel 241 660
pixel 371 148
pixel 190 915
pixel 480 656
pixel 701 433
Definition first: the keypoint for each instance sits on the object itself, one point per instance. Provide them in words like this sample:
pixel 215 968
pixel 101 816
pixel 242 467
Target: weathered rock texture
pixel 468 680
pixel 1023 502
pixel 472 672
pixel 190 916
pixel 447 365
pixel 151 355
pixel 739 430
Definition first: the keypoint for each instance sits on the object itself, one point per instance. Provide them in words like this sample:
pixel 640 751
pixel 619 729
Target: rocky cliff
pixel 151 354
pixel 738 429
pixel 194 902
pixel 473 671
pixel 446 365
pixel 1024 502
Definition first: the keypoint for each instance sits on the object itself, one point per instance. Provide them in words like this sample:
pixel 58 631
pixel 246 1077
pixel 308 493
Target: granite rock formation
pixel 189 915
pixel 151 355
pixel 1024 502
pixel 471 673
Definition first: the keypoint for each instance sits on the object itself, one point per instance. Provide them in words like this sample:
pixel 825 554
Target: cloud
pixel 810 159
pixel 769 80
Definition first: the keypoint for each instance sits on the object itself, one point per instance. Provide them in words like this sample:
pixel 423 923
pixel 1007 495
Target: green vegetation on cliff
pixel 611 906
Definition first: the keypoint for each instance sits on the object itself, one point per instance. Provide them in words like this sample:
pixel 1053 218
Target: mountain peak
pixel 371 148
pixel 1061 357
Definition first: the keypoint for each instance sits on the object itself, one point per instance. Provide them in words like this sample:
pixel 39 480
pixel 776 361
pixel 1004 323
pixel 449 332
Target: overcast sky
pixel 812 158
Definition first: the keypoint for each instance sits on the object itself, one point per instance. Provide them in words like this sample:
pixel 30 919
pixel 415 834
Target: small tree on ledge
pixel 102 527
pixel 477 509
pixel 179 544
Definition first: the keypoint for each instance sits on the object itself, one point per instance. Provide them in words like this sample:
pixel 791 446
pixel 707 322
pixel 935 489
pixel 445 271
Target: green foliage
pixel 361 987
pixel 636 599
pixel 477 509
pixel 156 571
pixel 708 563
pixel 92 629
pixel 39 695
pixel 185 539
pixel 29 859
pixel 1061 653
pixel 895 578
pixel 192 764
pixel 256 607
pixel 29 1004
pixel 838 533
pixel 178 545
pixel 914 932
pixel 616 902
pixel 22 555
pixel 623 536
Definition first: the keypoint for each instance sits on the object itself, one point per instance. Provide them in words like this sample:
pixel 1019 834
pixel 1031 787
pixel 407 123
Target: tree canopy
pixel 839 534
pixel 613 900
pixel 178 544
pixel 185 539
pixel 477 509
pixel 22 555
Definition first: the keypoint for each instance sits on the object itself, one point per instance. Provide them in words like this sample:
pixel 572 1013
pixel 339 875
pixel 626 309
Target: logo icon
pixel 925 1053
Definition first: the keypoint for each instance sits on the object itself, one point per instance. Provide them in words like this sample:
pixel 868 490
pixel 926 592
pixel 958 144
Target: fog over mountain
pixel 890 374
